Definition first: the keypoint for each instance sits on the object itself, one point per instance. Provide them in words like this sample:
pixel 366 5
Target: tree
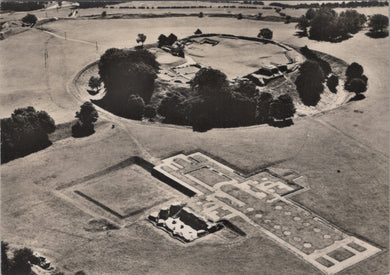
pixel 303 24
pixel 309 83
pixel 200 15
pixel 171 39
pixel 136 106
pixel 95 83
pixel 327 25
pixel 378 23
pixel 172 108
pixel 332 83
pixel 356 81
pixel 355 70
pixel 25 132
pixel 356 85
pixel 265 33
pixel 162 40
pixel 310 13
pixel 141 38
pixel 21 262
pixel 5 262
pixel 30 19
pixel 200 117
pixel 263 107
pixel 150 111
pixel 228 109
pixel 87 116
pixel 126 72
pixel 239 16
pixel 309 54
pixel 208 81
pixel 282 108
pixel 104 14
pixel 322 25
pixel 198 31
pixel 245 87
pixel 351 21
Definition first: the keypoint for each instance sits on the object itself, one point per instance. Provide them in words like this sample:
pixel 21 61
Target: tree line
pixel 21 6
pixel 315 72
pixel 27 131
pixel 349 4
pixel 210 101
pixel 324 24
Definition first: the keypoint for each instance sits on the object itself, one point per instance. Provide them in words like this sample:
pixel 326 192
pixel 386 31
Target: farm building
pixel 182 223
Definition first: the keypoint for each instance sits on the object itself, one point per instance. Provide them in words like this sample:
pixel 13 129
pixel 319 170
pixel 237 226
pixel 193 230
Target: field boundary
pixel 127 162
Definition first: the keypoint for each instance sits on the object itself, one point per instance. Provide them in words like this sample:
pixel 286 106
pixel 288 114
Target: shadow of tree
pixel 78 131
pixel 300 34
pixel 281 123
pixel 358 97
pixel 377 35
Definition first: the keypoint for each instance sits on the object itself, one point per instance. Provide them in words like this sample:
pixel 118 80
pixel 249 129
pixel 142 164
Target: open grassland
pixel 25 80
pixel 36 216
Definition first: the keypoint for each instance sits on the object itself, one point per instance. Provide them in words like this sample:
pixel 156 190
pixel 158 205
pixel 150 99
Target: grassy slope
pixel 25 81
pixel 314 147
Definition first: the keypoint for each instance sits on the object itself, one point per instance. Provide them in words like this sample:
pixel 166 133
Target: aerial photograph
pixel 194 137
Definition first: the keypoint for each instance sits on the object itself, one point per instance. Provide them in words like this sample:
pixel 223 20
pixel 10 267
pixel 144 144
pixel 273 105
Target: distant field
pixel 150 7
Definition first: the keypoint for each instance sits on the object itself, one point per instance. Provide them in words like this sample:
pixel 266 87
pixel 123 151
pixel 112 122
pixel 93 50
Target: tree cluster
pixel 95 84
pixel 87 116
pixel 96 4
pixel 127 74
pixel 348 4
pixel 25 132
pixel 325 24
pixel 332 83
pixel 21 6
pixel 378 25
pixel 21 262
pixel 30 19
pixel 265 33
pixel 309 54
pixel 356 81
pixel 141 39
pixel 164 40
pixel 309 82
pixel 211 102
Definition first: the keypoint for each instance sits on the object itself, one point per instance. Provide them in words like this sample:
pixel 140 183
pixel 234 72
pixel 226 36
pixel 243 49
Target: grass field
pixel 128 190
pixel 36 216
